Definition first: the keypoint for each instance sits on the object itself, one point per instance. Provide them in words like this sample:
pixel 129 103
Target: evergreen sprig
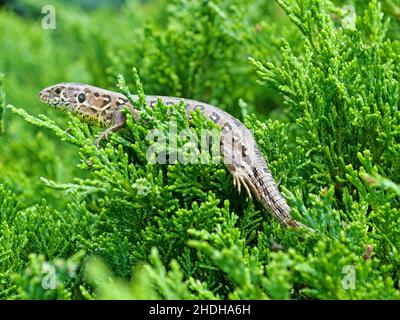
pixel 123 228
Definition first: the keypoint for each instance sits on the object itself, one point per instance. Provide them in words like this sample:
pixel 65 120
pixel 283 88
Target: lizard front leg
pixel 119 122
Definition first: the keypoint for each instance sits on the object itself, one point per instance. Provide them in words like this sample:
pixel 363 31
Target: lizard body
pixel 247 164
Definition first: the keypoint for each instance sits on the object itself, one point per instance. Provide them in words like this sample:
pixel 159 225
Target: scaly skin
pixel 241 155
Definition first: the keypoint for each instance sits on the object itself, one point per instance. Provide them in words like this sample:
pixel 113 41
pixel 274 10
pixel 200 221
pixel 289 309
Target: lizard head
pixel 92 104
pixel 64 95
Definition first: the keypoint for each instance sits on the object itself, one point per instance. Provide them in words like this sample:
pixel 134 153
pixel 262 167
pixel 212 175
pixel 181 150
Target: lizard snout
pixel 43 95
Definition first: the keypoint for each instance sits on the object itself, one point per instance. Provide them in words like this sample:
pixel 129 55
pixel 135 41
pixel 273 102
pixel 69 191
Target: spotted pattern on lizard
pixel 241 154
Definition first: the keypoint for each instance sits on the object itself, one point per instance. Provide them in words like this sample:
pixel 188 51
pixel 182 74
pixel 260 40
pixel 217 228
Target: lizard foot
pixel 239 180
pixel 102 136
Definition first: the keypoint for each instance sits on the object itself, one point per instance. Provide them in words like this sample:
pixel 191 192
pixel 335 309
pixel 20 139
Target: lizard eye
pixel 81 97
pixel 57 91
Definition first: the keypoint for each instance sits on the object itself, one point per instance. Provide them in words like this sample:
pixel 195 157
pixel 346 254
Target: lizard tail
pixel 276 204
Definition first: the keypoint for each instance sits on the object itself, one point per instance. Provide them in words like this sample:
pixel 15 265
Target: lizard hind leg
pixel 240 179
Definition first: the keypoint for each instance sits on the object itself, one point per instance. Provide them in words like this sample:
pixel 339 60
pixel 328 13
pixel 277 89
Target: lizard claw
pixel 238 181
pixel 246 187
pixel 104 135
pixel 238 184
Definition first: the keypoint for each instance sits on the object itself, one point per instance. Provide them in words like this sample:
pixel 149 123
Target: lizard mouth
pixel 52 100
pixel 44 96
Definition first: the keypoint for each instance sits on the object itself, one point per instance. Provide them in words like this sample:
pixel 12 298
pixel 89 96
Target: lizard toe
pixel 247 188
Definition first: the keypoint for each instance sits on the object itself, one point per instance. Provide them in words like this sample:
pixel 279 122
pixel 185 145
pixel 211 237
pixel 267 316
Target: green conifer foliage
pixel 129 229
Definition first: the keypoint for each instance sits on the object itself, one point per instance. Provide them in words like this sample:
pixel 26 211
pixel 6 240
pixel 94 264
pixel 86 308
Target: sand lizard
pixel 248 166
